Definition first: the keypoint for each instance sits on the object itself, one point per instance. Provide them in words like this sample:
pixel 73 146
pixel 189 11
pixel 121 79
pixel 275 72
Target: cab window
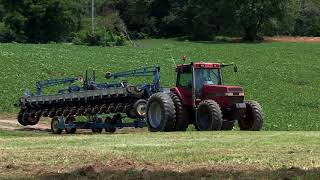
pixel 185 80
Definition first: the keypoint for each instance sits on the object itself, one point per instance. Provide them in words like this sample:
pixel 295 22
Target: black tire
pixel 68 120
pixel 182 119
pixel 133 90
pixel 160 113
pixel 209 116
pixel 227 125
pixel 254 117
pixel 21 120
pixel 33 120
pixel 130 112
pixel 110 129
pixel 140 108
pixel 97 130
pixel 54 126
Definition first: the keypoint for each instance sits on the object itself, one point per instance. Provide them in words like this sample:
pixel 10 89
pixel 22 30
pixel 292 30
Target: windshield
pixel 208 76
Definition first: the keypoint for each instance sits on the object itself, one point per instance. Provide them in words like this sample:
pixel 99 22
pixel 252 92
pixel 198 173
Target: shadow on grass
pixel 31 129
pixel 91 173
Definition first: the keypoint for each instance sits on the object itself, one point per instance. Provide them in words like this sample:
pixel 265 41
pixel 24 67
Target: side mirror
pixel 235 68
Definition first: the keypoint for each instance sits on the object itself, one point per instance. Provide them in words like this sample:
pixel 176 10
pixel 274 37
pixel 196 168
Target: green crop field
pixel 283 77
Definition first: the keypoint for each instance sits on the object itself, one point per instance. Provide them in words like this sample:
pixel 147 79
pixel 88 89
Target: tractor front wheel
pixel 160 113
pixel 253 120
pixel 209 116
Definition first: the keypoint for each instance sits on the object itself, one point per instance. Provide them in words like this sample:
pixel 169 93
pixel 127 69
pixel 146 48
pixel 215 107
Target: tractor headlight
pixel 234 94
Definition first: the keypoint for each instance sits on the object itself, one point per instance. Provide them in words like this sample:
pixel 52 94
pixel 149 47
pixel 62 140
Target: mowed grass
pixel 31 154
pixel 283 77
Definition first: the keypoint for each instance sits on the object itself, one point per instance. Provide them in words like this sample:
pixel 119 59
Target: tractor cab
pixel 199 81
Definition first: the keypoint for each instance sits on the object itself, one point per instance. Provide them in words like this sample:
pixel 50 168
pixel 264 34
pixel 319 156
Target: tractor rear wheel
pixel 182 119
pixel 70 120
pixel 55 126
pixel 209 116
pixel 160 113
pixel 254 117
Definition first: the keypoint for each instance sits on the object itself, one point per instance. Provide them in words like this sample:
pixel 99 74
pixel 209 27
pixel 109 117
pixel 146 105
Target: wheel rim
pixel 141 109
pixel 154 114
pixel 55 124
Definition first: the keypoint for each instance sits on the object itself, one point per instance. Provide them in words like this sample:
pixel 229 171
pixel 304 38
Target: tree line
pixel 43 21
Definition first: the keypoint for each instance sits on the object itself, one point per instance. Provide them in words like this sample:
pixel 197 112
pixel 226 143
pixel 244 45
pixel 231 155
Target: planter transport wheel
pixel 140 108
pixel 97 130
pixel 33 120
pixel 21 119
pixel 70 120
pixel 55 126
pixel 109 121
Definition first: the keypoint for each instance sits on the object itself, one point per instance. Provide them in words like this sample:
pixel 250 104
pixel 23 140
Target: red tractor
pixel 201 98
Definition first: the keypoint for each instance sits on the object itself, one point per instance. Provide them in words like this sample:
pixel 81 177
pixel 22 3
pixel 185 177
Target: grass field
pixel 283 77
pixel 252 155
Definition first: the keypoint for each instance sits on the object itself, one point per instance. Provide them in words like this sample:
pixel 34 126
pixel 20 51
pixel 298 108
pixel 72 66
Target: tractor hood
pixel 218 90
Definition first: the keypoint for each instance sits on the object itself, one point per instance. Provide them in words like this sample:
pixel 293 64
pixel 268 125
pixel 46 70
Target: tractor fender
pixel 182 96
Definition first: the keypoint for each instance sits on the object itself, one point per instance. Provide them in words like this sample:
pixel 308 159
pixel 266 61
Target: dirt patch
pixel 99 171
pixel 44 125
pixel 293 39
pixel 122 168
pixel 13 125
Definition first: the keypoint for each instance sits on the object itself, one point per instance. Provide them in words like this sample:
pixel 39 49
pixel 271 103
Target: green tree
pixel 200 19
pixel 42 20
pixel 308 21
pixel 252 14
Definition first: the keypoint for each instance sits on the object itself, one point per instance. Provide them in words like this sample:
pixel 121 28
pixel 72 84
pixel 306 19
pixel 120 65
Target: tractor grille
pixel 236 99
pixel 235 89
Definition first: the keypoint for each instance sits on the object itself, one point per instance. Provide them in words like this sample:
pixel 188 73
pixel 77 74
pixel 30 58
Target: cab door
pixel 184 86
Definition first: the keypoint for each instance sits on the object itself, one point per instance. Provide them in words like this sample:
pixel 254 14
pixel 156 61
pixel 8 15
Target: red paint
pixel 214 92
pixel 218 89
pixel 184 95
pixel 206 65
pixel 199 65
